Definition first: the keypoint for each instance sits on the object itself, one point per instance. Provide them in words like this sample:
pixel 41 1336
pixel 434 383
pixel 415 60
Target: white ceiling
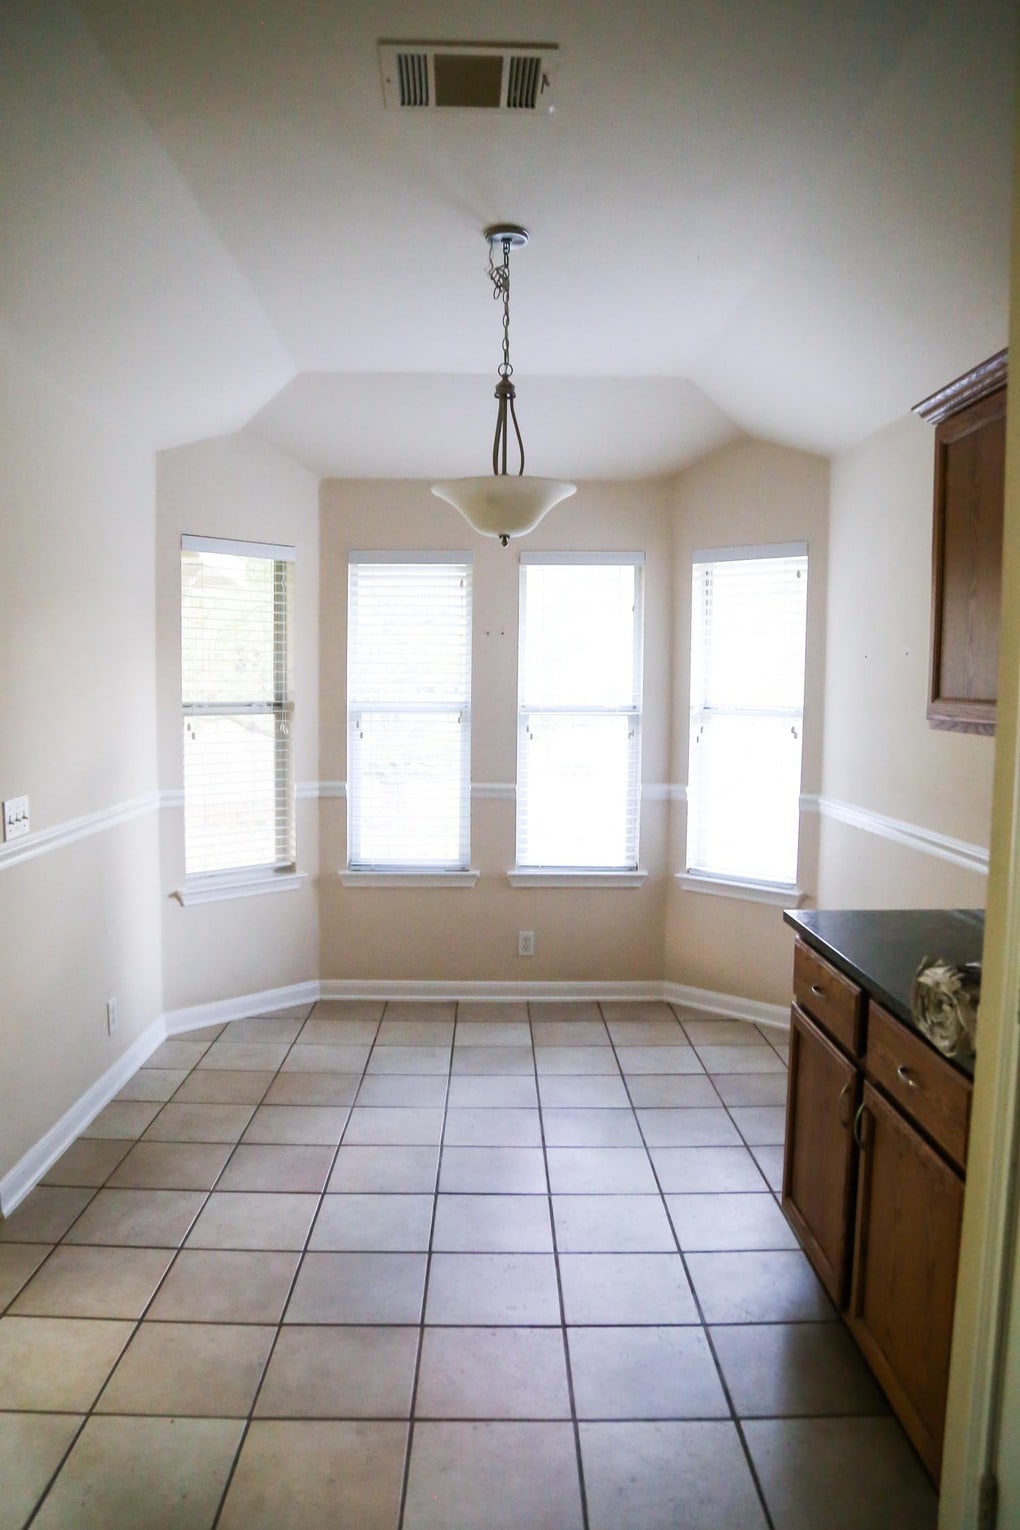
pixel 787 219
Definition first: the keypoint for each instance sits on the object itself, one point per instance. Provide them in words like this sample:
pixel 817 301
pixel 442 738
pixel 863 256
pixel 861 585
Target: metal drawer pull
pixel 858 1119
pixel 818 989
pixel 906 1077
pixel 844 1095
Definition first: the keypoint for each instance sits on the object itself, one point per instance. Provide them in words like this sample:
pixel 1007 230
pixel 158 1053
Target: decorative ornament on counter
pixel 944 1005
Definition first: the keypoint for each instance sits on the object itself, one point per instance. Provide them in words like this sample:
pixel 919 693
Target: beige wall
pixel 236 486
pixel 880 752
pixel 746 494
pixel 471 934
pixel 78 734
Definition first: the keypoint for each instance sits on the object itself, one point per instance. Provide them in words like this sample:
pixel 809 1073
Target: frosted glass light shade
pixel 503 506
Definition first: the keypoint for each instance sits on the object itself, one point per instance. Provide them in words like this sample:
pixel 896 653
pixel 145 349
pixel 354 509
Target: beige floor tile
pixel 753 1058
pixel 843 1473
pixel 420 1009
pixel 340 1372
pixel 637 1009
pixel 672 1090
pixel 265 1166
pixel 31 1448
pixel 492 1126
pixel 298 1125
pixel 751 1088
pixel 626 1288
pixel 225 1286
pixel 313 1089
pixel 199 1123
pixel 177 1052
pixel 688 1126
pixel 575 1061
pixel 94 1282
pixel 659 1059
pixel 57 1365
pixel 668 1475
pixel 170 1166
pixel 152 1084
pixel 415 1033
pixel 663 1031
pixel 770 1162
pixel 88 1161
pixel 492 1373
pixel 324 1058
pixel 404 1089
pixel 590 1128
pixel 691 1170
pixel 715 1223
pixel 326 1028
pixel 336 1474
pixel 492 1009
pixel 123 1118
pixel 203 1032
pixel 224 1086
pixel 761 1125
pixel 383 1223
pixel 492 1171
pixel 644 1373
pixel 358 1288
pixel 592 1170
pixel 404 1170
pixel 508 1060
pixel 18 1262
pixel 493 1476
pixel 722 1033
pixel 789 1369
pixel 45 1214
pixel 391 1125
pixel 138 1218
pixel 493 1289
pixel 493 1032
pixel 253 1219
pixel 200 1370
pixel 272 1028
pixel 514 1091
pixel 262 1056
pixel 620 1224
pixel 395 1059
pixel 165 1472
pixel 763 1287
pixel 492 1224
pixel 564 1009
pixel 601 1092
pixel 569 1033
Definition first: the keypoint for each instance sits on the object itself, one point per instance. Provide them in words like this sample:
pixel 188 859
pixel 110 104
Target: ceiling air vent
pixel 507 77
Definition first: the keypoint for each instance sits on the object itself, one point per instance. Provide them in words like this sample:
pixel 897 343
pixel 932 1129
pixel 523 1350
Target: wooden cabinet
pixel 969 416
pixel 876 1133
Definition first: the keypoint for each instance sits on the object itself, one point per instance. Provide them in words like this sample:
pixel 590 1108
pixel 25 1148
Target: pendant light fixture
pixel 504 505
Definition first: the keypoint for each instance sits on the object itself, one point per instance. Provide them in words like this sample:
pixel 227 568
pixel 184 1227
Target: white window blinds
pixel 409 711
pixel 235 693
pixel 749 609
pixel 579 721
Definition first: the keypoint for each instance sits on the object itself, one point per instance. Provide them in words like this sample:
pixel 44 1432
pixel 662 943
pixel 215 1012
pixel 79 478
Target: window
pixel 409 712
pixel 579 720
pixel 748 617
pixel 235 691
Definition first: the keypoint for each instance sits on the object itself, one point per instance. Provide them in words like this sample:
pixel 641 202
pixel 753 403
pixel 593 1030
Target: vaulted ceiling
pixel 787 219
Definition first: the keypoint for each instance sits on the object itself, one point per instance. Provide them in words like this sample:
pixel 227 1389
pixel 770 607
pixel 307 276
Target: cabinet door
pixel 907 1245
pixel 818 1175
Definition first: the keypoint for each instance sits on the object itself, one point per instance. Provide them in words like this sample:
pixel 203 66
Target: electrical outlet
pixel 111 1016
pixel 15 818
pixel 525 942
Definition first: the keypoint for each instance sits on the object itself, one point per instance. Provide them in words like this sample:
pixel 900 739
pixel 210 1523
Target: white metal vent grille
pixel 507 77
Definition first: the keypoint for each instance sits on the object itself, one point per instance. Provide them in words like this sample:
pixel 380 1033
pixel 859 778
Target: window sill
pixel 780 894
pixel 219 886
pixel 408 878
pixel 535 876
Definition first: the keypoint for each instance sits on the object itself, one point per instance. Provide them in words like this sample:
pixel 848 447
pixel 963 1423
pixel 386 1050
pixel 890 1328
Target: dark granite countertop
pixel 881 949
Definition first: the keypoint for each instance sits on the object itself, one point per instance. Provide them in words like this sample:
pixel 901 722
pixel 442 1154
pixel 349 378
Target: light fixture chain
pixel 500 278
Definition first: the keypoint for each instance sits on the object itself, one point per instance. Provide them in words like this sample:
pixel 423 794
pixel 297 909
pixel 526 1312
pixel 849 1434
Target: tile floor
pixel 436 1267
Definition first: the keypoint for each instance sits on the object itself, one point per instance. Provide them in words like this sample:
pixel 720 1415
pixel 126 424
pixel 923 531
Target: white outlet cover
pixel 16 822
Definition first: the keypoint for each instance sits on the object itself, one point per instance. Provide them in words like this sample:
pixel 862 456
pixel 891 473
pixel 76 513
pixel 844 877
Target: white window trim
pixel 780 894
pixel 218 886
pixel 407 878
pixel 535 876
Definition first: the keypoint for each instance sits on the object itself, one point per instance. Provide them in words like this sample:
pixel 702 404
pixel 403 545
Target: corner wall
pixel 79 915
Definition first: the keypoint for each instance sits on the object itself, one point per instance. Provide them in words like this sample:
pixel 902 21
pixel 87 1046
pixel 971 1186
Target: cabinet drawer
pixel 832 999
pixel 924 1085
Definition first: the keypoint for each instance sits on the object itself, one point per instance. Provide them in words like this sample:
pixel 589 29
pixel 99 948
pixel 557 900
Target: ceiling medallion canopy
pixel 504 505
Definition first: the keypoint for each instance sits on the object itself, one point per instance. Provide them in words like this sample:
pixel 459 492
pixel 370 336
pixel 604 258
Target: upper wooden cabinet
pixel 969 416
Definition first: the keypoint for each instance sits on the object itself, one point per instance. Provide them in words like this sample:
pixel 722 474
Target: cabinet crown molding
pixel 973 385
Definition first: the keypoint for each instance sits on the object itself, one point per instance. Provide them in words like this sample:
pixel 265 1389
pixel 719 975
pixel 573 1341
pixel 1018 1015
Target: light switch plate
pixel 15 818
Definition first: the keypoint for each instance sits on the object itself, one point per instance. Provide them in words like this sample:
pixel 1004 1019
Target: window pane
pixel 577 777
pixel 227 626
pixel 578 642
pixel 229 792
pixel 745 780
pixel 407 804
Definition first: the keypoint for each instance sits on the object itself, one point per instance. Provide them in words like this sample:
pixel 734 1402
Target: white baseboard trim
pixel 732 1006
pixel 502 993
pixel 29 1169
pixel 242 1007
